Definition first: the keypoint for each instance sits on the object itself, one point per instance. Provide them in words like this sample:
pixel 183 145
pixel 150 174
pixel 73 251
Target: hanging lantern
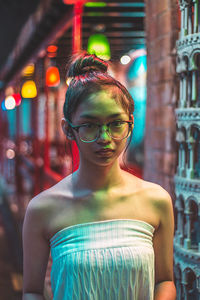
pixel 10 103
pixel 74 1
pixel 28 70
pixel 52 77
pixel 3 105
pixel 29 89
pixel 9 91
pixel 98 44
pixel 17 98
pixel 52 51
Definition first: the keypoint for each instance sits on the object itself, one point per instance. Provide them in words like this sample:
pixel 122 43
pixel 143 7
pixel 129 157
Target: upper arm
pixel 35 251
pixel 163 240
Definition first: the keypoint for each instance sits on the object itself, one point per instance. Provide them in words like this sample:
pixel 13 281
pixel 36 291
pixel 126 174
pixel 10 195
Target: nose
pixel 104 136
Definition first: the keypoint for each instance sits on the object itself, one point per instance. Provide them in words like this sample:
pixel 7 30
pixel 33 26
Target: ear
pixel 132 119
pixel 67 129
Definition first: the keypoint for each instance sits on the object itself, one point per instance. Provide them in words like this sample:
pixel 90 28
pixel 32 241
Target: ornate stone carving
pixel 187 178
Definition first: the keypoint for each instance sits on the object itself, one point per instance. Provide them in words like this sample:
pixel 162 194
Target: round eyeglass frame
pixel 77 127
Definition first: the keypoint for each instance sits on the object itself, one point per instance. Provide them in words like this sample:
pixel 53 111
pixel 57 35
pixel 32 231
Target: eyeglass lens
pixel 116 130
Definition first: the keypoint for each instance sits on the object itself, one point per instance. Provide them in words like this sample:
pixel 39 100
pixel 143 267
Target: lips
pixel 105 152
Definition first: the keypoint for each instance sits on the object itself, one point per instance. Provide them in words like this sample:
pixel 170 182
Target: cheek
pixel 83 147
pixel 121 145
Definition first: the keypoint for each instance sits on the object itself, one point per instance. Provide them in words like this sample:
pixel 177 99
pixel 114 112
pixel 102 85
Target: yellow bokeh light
pixel 29 89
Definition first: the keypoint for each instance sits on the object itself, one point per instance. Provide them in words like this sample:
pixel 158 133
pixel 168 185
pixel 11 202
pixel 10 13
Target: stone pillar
pixel 189 93
pixel 187 240
pixel 194 87
pixel 190 166
pixel 183 160
pixel 185 291
pixel 181 90
pixel 178 290
pixel 162 30
pixel 184 96
pixel 182 21
pixel 180 226
pixel 180 149
pixel 195 16
pixel 186 19
pixel 190 25
pixel 199 242
pixel 198 11
pixel 198 283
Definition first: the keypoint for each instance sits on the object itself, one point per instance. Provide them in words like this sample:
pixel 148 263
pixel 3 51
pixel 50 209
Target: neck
pixel 93 178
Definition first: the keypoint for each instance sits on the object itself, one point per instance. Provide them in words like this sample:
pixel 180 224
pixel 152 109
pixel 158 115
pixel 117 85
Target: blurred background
pixel 148 47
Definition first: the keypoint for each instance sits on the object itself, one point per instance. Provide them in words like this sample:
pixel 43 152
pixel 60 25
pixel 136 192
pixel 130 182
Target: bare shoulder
pixel 160 200
pixel 42 206
pixel 157 194
pixel 152 192
pixel 151 189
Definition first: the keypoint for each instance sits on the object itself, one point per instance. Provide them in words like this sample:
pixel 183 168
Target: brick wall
pixel 160 157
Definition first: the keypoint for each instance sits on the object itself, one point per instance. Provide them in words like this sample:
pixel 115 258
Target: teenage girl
pixel 110 233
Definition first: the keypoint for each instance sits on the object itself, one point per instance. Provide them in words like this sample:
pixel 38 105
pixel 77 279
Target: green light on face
pixel 98 44
pixel 95 4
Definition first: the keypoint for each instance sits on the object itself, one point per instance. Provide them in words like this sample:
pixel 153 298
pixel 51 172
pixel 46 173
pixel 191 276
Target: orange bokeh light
pixel 52 48
pixel 52 77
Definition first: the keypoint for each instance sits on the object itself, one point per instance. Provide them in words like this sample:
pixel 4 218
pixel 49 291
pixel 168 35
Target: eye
pixel 89 125
pixel 117 123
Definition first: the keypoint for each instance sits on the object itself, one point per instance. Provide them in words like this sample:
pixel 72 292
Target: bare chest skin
pixel 100 206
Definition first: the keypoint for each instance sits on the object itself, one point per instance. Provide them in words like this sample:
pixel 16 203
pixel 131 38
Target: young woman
pixel 109 232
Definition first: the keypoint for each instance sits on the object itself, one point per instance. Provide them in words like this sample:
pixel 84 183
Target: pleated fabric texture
pixel 105 260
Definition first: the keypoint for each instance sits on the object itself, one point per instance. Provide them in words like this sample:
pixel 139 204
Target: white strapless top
pixel 105 260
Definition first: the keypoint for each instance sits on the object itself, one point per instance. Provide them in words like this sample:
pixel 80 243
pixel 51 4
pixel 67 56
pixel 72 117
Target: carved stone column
pixel 187 180
pixel 179 290
pixel 190 166
pixel 187 240
pixel 199 241
pixel 196 12
pixel 184 90
pixel 182 33
pixel 180 225
pixel 198 284
pixel 190 27
pixel 189 89
pixel 186 13
pixel 183 169
pixel 185 291
pixel 194 88
pixel 181 92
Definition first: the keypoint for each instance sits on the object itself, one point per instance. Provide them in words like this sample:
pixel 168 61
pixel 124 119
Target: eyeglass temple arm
pixel 75 127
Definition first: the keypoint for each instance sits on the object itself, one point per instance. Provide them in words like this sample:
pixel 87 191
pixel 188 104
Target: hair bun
pixel 86 63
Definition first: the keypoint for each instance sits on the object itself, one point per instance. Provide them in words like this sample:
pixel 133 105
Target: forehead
pixel 100 104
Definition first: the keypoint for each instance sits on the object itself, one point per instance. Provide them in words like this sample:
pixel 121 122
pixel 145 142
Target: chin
pixel 104 162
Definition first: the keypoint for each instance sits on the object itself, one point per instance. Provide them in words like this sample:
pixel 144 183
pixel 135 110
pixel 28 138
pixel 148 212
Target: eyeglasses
pixel 90 132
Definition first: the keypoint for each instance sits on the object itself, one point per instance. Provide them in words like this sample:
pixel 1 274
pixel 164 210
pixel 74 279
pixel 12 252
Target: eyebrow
pixel 86 116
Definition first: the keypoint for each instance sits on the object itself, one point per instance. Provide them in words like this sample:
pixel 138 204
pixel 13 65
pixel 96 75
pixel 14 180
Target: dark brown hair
pixel 89 75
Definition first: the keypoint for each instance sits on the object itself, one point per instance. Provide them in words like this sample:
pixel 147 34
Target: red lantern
pixel 52 48
pixel 52 77
pixel 17 98
pixel 74 1
pixel 52 51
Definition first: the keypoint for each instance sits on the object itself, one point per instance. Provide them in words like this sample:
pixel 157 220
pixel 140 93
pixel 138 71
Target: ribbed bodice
pixel 105 260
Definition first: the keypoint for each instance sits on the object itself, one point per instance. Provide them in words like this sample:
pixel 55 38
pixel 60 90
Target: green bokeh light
pixel 98 44
pixel 95 4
